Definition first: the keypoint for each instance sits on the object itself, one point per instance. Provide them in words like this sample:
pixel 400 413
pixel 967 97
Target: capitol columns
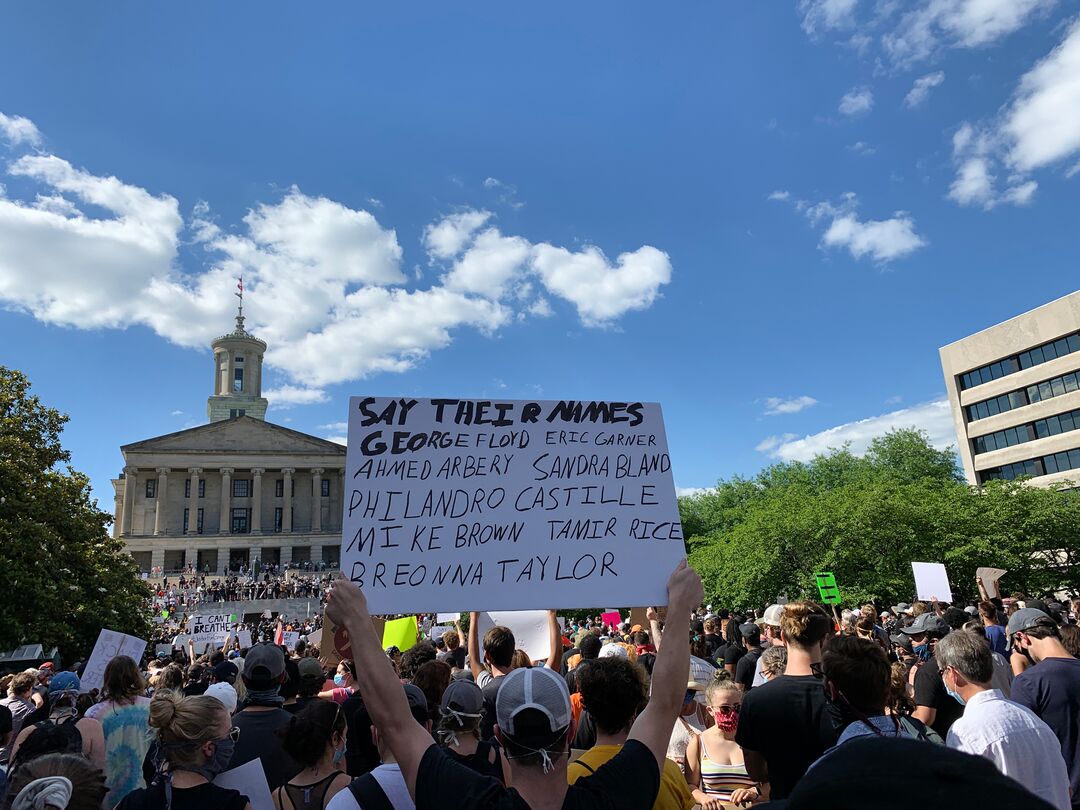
pixel 225 522
pixel 286 510
pixel 130 481
pixel 193 501
pixel 256 499
pixel 160 518
pixel 316 499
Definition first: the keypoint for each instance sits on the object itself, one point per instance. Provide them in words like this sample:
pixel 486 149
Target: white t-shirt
pixel 392 783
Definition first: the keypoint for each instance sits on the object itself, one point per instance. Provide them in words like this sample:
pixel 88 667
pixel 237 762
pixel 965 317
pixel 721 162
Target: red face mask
pixel 726 721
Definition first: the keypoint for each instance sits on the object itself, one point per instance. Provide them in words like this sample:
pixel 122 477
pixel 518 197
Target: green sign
pixel 826 584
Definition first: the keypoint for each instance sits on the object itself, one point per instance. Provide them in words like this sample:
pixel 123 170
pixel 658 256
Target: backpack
pixel 49 737
pixel 369 794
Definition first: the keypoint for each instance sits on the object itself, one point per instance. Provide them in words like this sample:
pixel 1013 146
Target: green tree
pixel 866 519
pixel 67 578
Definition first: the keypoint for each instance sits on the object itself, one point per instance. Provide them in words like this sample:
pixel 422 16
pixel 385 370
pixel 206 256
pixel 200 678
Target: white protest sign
pixel 250 780
pixel 109 645
pixel 244 637
pixel 447 618
pixel 931 581
pixel 478 505
pixel 989 578
pixel 211 629
pixel 315 636
pixel 290 637
pixel 438 631
pixel 530 629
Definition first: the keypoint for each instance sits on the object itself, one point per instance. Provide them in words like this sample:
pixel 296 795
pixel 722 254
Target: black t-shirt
pixel 715 642
pixel 732 654
pixel 453 658
pixel 789 722
pixel 490 690
pixel 930 691
pixel 259 740
pixel 628 781
pixel 747 667
pixel 361 755
pixel 1051 689
pixel 200 797
pixel 195 688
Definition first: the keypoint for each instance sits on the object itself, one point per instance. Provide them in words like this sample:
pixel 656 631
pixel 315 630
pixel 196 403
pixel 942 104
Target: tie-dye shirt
pixel 127 739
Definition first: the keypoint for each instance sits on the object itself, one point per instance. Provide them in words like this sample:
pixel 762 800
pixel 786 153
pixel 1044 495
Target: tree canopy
pixel 67 578
pixel 867 518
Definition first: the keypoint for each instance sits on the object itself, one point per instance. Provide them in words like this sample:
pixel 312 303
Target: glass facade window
pixel 278 515
pixel 202 488
pixel 324 489
pixel 279 488
pixel 238 379
pixel 240 521
pixel 1011 365
pixel 235 412
pixel 241 488
pixel 1041 429
pixel 151 487
pixel 1037 392
pixel 198 521
pixel 1033 467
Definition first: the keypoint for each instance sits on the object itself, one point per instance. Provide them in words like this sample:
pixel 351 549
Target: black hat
pixel 949 778
pixel 927 623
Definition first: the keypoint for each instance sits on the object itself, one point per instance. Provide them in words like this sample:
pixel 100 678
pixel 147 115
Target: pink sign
pixel 611 619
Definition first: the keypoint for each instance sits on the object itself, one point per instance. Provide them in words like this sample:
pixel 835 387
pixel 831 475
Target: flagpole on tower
pixel 240 308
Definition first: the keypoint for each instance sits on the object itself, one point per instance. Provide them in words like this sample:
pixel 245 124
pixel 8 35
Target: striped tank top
pixel 721 780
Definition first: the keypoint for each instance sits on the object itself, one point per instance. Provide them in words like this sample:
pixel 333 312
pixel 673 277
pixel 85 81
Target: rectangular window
pixel 241 488
pixel 151 487
pixel 202 488
pixel 324 491
pixel 279 488
pixel 278 516
pixel 240 521
pixel 236 412
pixel 1070 383
pixel 198 521
pixel 238 379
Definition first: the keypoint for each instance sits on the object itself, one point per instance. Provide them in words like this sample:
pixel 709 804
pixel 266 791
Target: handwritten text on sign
pixel 487 505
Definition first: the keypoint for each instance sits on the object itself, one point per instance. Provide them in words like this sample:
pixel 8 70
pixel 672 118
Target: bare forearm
pixel 672 668
pixel 474 646
pixel 555 637
pixel 654 629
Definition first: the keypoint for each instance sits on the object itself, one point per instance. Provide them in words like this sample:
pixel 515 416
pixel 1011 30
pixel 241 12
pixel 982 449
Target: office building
pixel 1014 390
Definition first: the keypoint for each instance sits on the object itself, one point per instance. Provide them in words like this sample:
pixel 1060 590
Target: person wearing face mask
pixel 933 706
pixel 716 771
pixel 64 731
pixel 343 683
pixel 1011 736
pixel 262 715
pixel 315 737
pixel 195 738
pixel 1050 684
pixel 786 723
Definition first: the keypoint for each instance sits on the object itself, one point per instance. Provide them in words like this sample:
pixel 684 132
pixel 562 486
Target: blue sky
pixel 766 216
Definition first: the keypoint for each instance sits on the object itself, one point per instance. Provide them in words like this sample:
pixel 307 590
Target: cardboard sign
pixel 826 584
pixel 989 578
pixel 244 638
pixel 478 505
pixel 400 633
pixel 109 645
pixel 931 581
pixel 337 647
pixel 212 629
pixel 290 638
pixel 530 629
pixel 250 780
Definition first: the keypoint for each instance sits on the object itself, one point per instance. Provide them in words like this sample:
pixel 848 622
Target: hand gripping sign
pixel 508 505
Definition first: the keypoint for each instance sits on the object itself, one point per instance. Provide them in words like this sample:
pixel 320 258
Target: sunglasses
pixel 726 709
pixel 234 734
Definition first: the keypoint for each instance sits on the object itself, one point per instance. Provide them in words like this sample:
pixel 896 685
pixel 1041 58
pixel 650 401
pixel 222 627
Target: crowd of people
pixel 190 590
pixel 792 706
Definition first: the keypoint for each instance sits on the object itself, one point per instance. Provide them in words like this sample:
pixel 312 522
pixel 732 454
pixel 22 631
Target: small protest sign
pixel 826 583
pixel 334 644
pixel 290 637
pixel 438 631
pixel 487 505
pixel 989 578
pixel 448 618
pixel 931 581
pixel 250 780
pixel 243 637
pixel 211 629
pixel 109 645
pixel 611 619
pixel 530 629
pixel 400 633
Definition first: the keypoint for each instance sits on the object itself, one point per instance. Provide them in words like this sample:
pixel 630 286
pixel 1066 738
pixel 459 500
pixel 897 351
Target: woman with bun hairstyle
pixel 315 738
pixel 715 767
pixel 195 738
pixel 786 724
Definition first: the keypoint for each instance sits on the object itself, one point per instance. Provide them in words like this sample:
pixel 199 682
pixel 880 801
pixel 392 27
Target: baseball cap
pixel 223 692
pixel 264 667
pixel 612 651
pixel 926 623
pixel 903 607
pixel 773 614
pixel 971 610
pixel 1024 619
pixel 417 703
pixel 951 779
pixel 64 681
pixel 48 665
pixel 311 670
pixel 462 698
pixel 226 672
pixel 537 688
pixel 900 640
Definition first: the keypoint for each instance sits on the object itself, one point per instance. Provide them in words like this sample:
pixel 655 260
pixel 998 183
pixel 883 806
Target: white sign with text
pixel 109 645
pixel 489 505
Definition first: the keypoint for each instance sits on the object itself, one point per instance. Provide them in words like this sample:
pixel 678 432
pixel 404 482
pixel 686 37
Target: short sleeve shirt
pixel 629 781
pixel 930 691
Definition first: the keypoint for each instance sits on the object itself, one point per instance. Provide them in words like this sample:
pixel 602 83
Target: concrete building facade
pixel 237 491
pixel 1014 390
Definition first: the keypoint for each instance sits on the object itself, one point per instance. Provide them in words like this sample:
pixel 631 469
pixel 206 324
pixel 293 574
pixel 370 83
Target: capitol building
pixel 234 492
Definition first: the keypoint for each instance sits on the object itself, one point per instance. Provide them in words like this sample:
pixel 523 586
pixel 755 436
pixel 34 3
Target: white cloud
pixel 447 237
pixel 856 101
pixel 18 130
pixel 780 195
pixel 177 413
pixel 862 148
pixel 336 427
pixel 976 153
pixel 507 193
pixel 288 395
pixel 337 439
pixel 821 15
pixel 324 281
pixel 933 417
pixel 600 290
pixel 932 25
pixel 920 90
pixel 880 240
pixel 775 406
pixel 684 492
